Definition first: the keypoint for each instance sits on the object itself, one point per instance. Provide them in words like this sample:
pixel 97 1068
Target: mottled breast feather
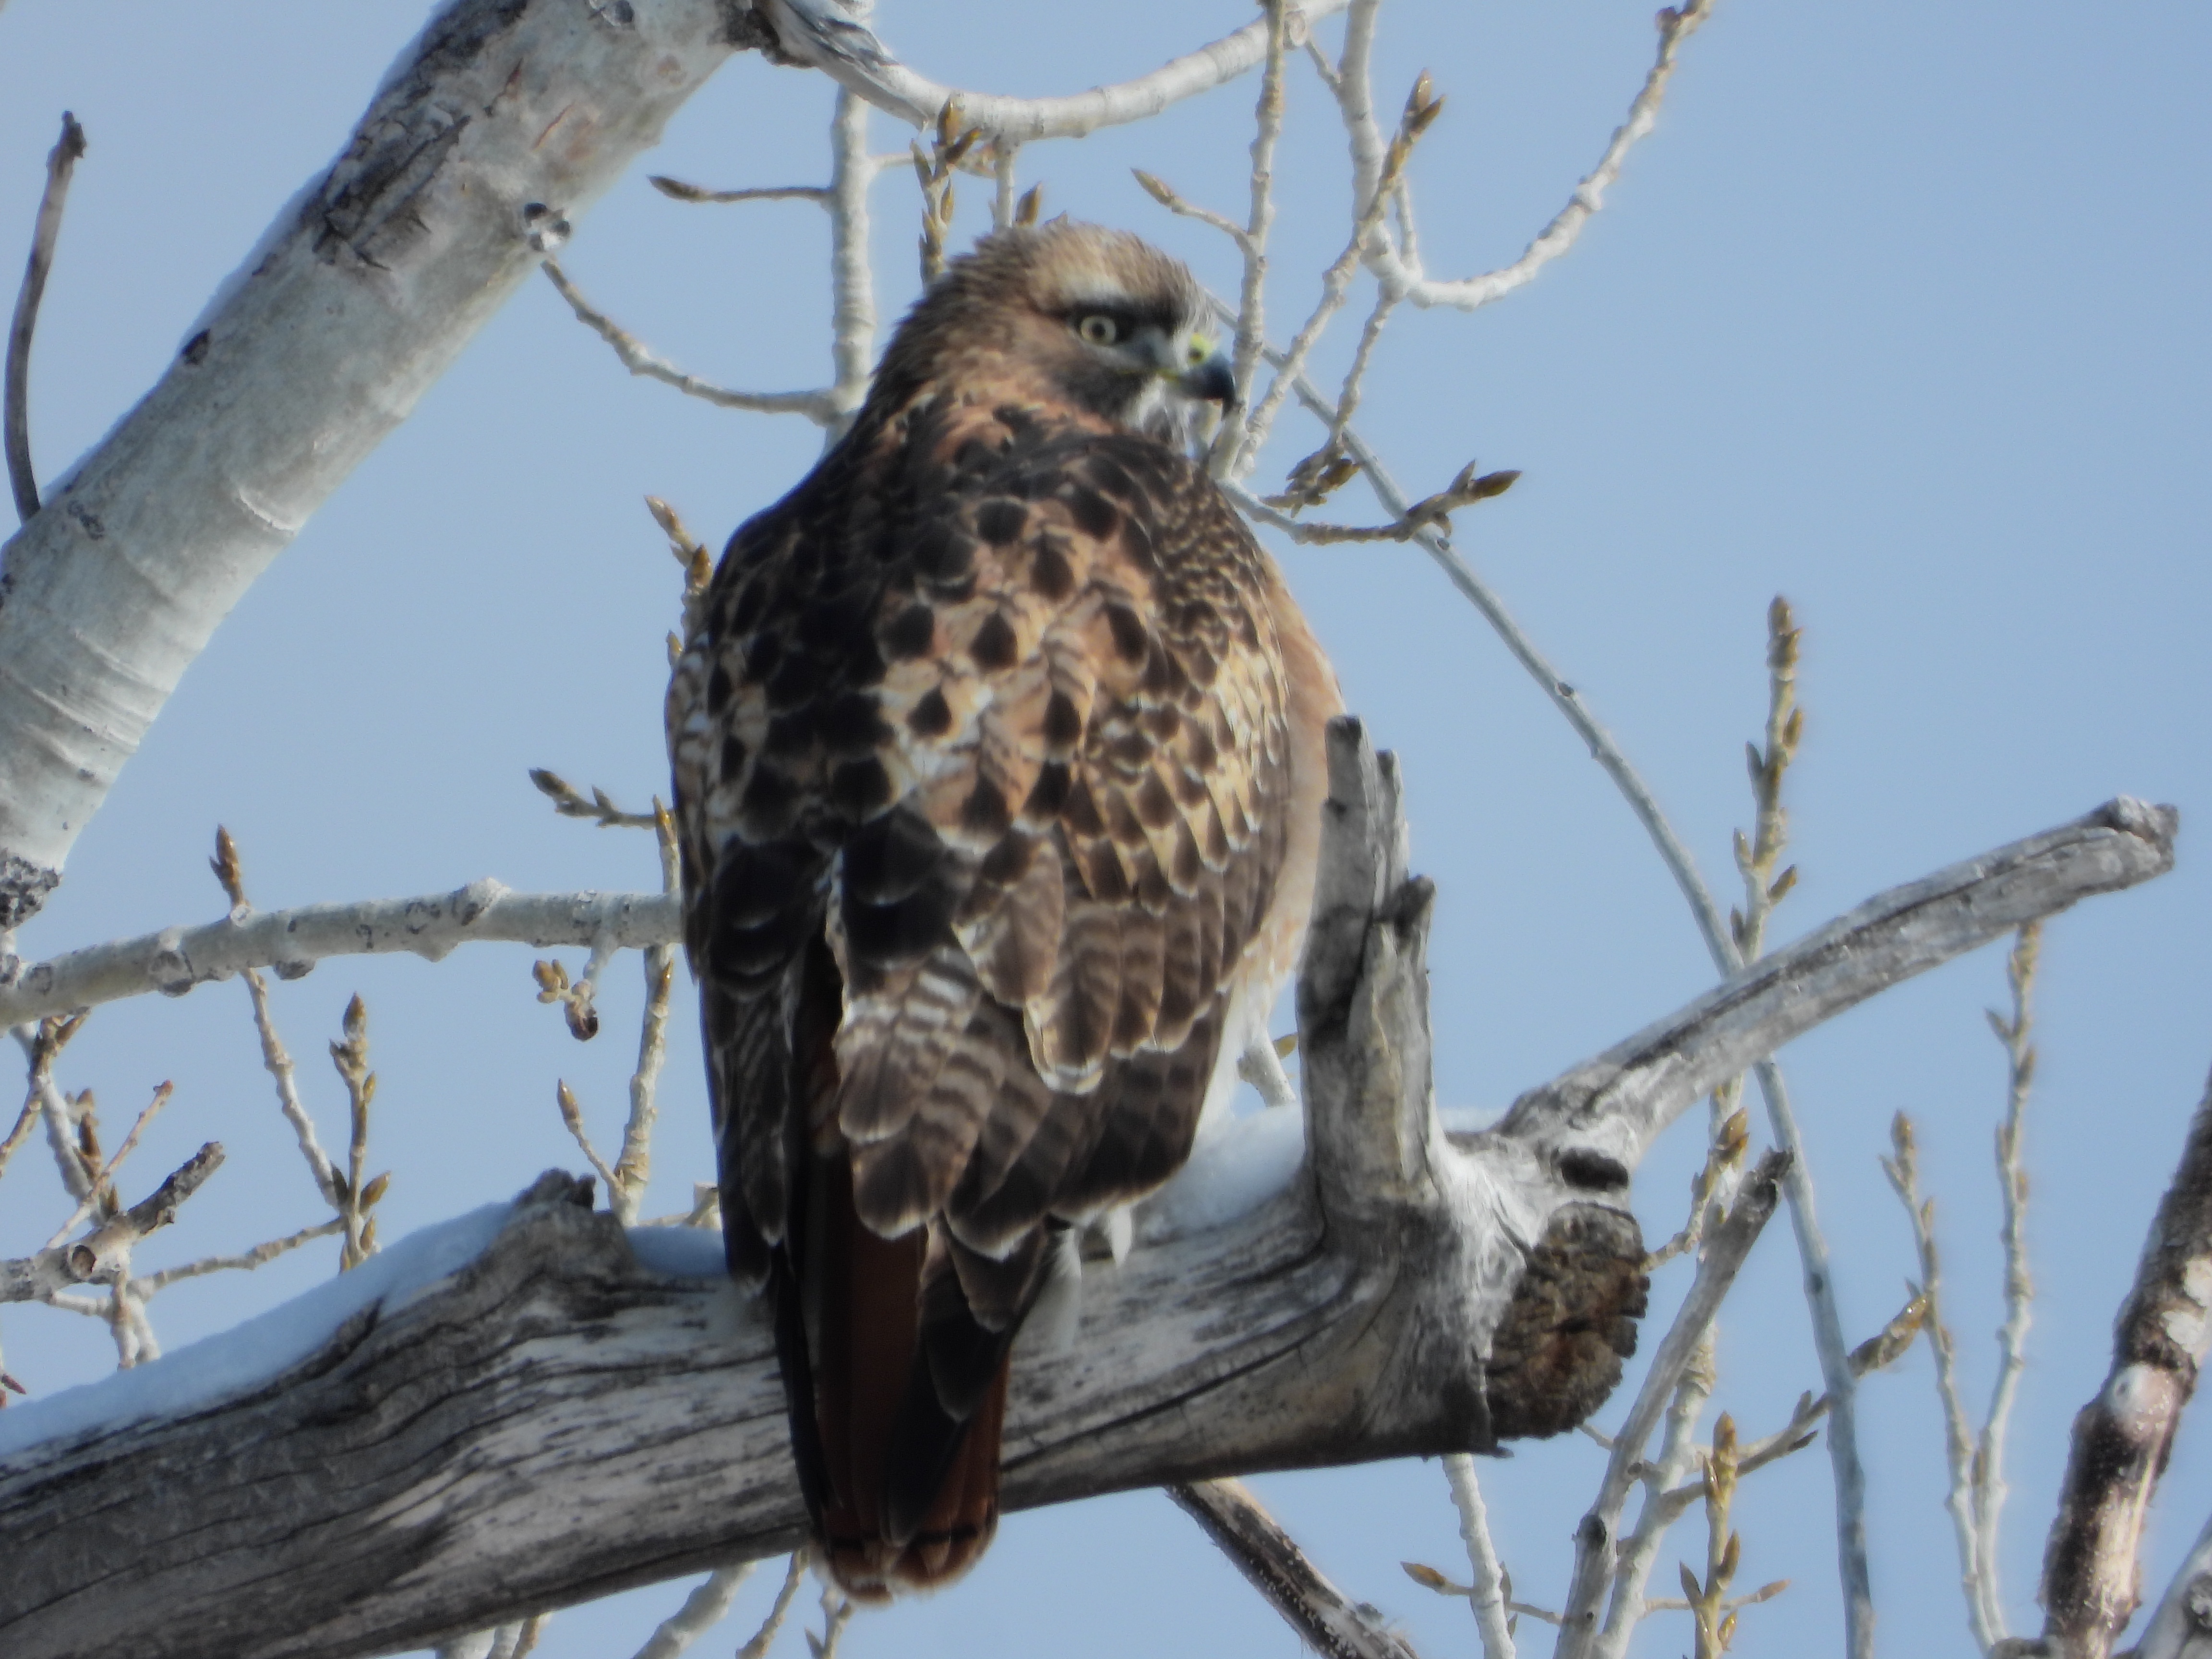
pixel 994 704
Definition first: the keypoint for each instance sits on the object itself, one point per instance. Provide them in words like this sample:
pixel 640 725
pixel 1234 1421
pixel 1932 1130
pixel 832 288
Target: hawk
pixel 999 768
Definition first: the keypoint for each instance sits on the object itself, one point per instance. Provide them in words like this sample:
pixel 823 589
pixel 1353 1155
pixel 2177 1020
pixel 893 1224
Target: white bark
pixel 891 86
pixel 555 1422
pixel 494 132
pixel 176 959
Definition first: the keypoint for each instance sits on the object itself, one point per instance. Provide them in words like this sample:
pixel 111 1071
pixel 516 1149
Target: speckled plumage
pixel 998 757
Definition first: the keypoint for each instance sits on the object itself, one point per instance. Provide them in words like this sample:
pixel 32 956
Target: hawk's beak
pixel 1213 382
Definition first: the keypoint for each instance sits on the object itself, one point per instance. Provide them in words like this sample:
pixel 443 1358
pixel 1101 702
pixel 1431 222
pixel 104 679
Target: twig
pixel 677 190
pixel 257 1256
pixel 2019 1287
pixel 102 1193
pixel 41 1042
pixel 1325 1618
pixel 1488 1593
pixel 357 1196
pixel 1726 1251
pixel 2091 1578
pixel 601 809
pixel 1904 1173
pixel 891 86
pixel 633 1168
pixel 1422 109
pixel 951 139
pixel 837 1609
pixel 704 1609
pixel 852 275
pixel 819 407
pixel 61 163
pixel 572 1115
pixel 758 1647
pixel 103 1254
pixel 276 1058
pixel 1396 268
pixel 1321 475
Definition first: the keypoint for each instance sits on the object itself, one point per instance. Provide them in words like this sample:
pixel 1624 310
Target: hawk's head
pixel 1070 313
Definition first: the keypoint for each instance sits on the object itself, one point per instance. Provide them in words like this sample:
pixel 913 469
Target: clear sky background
pixel 1900 312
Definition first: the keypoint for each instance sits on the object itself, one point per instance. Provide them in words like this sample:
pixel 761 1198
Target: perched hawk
pixel 998 774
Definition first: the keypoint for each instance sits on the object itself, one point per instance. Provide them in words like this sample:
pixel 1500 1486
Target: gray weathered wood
pixel 555 1422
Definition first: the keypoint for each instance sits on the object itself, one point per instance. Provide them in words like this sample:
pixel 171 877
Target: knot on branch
pixel 1556 1355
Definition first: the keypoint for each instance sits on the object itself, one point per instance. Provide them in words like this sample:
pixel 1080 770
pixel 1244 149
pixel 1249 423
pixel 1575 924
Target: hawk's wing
pixel 982 763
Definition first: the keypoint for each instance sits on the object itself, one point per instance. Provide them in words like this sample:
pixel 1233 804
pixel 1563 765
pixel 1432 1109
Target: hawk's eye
pixel 1099 330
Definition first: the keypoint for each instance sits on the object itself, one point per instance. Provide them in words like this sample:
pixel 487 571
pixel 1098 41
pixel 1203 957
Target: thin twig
pixel 1168 197
pixel 1422 108
pixel 819 407
pixel 1487 1593
pixel 852 274
pixel 358 1194
pixel 259 1255
pixel 1726 1251
pixel 678 190
pixel 276 1058
pixel 1399 269
pixel 102 1194
pixel 41 1040
pixel 702 1609
pixel 1903 1172
pixel 758 1647
pixel 569 802
pixel 633 1170
pixel 2019 1287
pixel 61 163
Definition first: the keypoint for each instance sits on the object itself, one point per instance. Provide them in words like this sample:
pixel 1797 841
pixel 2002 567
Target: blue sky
pixel 1899 312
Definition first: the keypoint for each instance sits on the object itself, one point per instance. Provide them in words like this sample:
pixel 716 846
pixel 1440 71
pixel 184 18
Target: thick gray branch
pixel 496 128
pixel 176 959
pixel 554 1421
pixel 1620 1101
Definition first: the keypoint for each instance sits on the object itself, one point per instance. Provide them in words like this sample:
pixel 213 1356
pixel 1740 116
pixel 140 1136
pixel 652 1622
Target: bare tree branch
pixel 640 359
pixel 61 163
pixel 104 1254
pixel 1398 270
pixel 176 959
pixel 2182 1626
pixel 1326 1620
pixel 916 100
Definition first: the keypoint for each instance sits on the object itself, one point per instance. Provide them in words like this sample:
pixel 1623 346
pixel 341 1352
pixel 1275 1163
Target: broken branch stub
pixel 554 1421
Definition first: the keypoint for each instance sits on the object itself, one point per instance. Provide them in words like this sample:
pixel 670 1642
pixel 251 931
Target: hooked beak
pixel 1213 382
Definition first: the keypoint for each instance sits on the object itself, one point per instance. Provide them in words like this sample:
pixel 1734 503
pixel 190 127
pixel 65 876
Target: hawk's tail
pixel 898 1444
